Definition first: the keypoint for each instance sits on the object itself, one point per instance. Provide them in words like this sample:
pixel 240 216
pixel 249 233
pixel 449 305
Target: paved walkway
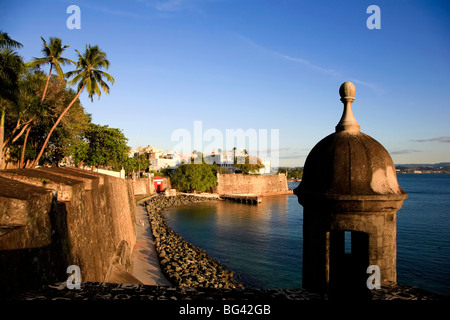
pixel 146 266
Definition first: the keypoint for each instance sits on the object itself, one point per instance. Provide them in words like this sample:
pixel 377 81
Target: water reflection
pixel 260 242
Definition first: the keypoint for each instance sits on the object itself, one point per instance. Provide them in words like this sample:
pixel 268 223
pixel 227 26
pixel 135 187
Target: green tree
pixel 70 131
pixel 42 116
pixel 191 177
pixel 291 173
pixel 11 65
pixel 137 163
pixel 52 54
pixel 105 147
pixel 87 75
pixel 248 167
pixel 79 151
pixel 216 169
pixel 165 172
pixel 7 43
pixel 30 109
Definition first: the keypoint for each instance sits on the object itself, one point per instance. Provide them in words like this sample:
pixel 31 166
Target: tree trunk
pixel 2 134
pixel 24 147
pixel 46 84
pixel 36 161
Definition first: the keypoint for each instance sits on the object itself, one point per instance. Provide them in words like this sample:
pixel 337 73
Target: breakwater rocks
pixel 181 262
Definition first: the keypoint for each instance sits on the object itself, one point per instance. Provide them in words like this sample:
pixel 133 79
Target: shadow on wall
pixel 31 268
pixel 53 218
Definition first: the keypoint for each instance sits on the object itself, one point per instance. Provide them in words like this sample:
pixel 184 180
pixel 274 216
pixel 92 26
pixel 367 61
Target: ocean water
pixel 423 232
pixel 263 243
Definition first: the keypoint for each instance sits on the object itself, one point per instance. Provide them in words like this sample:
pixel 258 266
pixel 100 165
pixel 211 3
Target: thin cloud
pixel 119 13
pixel 169 5
pixel 310 65
pixel 269 150
pixel 286 57
pixel 369 85
pixel 293 156
pixel 405 151
pixel 445 139
pixel 307 63
pixel 172 6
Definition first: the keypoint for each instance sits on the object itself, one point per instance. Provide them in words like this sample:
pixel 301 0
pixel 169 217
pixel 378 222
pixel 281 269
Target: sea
pixel 262 243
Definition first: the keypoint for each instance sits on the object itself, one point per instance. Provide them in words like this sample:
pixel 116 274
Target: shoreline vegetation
pixel 182 263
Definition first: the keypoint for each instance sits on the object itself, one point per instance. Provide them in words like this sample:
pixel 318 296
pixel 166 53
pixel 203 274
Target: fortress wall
pixel 143 186
pixel 53 218
pixel 257 184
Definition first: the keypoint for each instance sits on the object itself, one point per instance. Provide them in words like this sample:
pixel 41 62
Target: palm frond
pixel 65 61
pixel 107 76
pixel 37 62
pixel 96 89
pixel 78 76
pixel 52 54
pixel 88 74
pixel 7 43
pixel 104 86
pixel 59 72
pixel 98 78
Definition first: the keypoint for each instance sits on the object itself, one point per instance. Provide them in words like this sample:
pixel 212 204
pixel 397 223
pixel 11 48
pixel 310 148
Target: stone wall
pixel 53 218
pixel 257 184
pixel 145 186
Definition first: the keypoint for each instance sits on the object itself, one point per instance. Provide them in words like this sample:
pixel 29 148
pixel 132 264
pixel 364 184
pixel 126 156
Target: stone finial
pixel 348 122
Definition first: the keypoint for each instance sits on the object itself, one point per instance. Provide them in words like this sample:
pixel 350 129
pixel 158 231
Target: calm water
pixel 423 232
pixel 263 244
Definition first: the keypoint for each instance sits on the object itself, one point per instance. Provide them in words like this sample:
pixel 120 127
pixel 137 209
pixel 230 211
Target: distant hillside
pixel 424 165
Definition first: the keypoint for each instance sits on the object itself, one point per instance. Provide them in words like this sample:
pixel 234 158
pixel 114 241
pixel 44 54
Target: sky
pixel 188 72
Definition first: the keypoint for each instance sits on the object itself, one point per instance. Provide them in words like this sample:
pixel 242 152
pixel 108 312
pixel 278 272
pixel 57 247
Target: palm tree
pixel 52 55
pixel 87 75
pixel 7 43
pixel 11 65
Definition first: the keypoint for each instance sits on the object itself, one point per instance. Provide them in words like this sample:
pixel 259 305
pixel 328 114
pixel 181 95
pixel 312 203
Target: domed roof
pixel 348 163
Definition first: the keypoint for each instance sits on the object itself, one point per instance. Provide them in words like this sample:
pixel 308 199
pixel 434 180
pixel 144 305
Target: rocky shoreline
pixel 182 263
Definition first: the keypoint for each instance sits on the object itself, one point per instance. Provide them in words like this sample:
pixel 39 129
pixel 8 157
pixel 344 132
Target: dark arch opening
pixel 348 262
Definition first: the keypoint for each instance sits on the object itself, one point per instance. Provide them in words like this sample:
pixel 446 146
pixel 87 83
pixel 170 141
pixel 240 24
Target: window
pixel 348 242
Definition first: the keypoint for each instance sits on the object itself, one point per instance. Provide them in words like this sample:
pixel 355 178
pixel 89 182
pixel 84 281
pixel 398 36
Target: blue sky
pixel 260 64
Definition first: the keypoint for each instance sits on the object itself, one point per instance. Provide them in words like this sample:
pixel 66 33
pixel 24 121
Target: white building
pixel 171 160
pixel 266 169
pixel 153 152
pixel 225 159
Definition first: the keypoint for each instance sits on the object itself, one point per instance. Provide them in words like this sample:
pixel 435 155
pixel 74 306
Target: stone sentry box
pixel 350 195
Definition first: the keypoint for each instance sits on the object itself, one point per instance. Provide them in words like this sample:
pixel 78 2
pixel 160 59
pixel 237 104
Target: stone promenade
pixel 110 291
pixel 146 267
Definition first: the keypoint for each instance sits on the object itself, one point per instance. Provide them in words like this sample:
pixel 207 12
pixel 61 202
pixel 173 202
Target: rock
pixel 185 264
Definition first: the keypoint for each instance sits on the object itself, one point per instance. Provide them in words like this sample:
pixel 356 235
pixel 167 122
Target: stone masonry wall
pixel 146 186
pixel 53 218
pixel 143 186
pixel 257 184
